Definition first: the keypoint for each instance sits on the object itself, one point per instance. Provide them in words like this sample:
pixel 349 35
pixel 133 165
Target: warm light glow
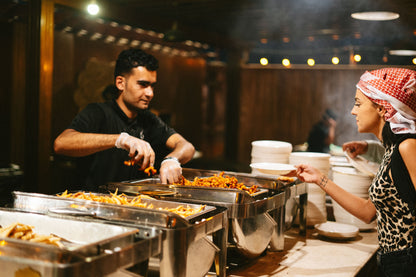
pixel 385 59
pixel 286 40
pixel 414 60
pixel 375 16
pixel 335 60
pixel 93 8
pixel 264 61
pixel 402 52
pixel 263 40
pixel 286 62
pixel 311 62
pixel 357 58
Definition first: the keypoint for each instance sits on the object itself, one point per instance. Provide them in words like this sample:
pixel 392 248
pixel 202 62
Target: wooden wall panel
pixel 6 95
pixel 283 104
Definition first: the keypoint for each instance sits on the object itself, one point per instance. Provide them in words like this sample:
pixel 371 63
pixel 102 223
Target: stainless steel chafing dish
pixel 252 227
pixel 90 248
pixel 184 240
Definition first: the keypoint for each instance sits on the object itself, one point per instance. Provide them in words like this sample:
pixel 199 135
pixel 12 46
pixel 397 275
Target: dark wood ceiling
pixel 267 27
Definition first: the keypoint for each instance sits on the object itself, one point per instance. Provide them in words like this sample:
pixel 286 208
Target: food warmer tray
pixel 180 235
pixel 252 228
pixel 90 248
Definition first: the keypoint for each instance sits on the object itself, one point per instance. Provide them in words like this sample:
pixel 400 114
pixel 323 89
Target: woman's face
pixel 368 115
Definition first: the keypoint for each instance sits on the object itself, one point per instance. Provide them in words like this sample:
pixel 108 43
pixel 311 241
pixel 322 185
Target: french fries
pixel 285 179
pixel 25 232
pixel 150 171
pixel 218 181
pixel 122 199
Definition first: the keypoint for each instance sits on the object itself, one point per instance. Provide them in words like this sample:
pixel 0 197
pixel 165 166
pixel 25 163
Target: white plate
pixel 337 230
pixel 273 168
pixel 363 165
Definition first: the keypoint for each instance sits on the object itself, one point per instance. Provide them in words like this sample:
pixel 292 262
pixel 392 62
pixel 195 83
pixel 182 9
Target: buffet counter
pixel 316 256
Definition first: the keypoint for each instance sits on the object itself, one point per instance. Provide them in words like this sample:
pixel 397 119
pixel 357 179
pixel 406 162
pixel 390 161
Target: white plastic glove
pixel 139 150
pixel 170 170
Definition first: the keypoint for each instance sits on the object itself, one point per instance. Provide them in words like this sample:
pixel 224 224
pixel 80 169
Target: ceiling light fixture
pixel 402 52
pixel 375 16
pixel 311 62
pixel 93 8
pixel 264 61
pixel 286 62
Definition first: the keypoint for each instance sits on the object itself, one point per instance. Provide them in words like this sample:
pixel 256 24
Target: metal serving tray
pixel 240 204
pixel 92 248
pixel 156 216
pixel 180 236
pixel 251 226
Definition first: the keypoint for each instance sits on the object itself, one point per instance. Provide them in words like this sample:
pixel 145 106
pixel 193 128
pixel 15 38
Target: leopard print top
pixel 395 222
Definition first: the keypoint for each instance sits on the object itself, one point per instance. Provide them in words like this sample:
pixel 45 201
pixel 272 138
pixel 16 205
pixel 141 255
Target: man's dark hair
pixel 330 114
pixel 131 58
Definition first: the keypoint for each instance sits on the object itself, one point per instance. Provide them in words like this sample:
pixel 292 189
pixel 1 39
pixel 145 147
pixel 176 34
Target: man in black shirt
pixel 322 134
pixel 103 132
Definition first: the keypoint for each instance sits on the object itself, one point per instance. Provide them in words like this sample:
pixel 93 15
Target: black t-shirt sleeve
pixel 157 133
pixel 89 120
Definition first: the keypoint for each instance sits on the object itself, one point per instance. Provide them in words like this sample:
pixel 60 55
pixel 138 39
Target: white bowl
pixel 256 152
pixel 272 146
pixel 273 168
pixel 311 155
pixel 268 160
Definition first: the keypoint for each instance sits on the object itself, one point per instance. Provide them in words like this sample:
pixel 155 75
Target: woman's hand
pixel 308 174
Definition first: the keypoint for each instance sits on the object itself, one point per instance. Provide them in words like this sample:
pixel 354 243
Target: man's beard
pixel 135 108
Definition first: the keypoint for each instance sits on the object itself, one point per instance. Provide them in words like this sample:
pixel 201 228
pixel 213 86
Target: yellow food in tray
pixel 122 199
pixel 218 181
pixel 25 232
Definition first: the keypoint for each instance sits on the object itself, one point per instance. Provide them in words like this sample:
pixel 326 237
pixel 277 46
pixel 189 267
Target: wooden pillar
pixel 233 104
pixel 17 112
pixel 39 95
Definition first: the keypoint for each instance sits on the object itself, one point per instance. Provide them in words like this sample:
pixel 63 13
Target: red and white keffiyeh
pixel 395 89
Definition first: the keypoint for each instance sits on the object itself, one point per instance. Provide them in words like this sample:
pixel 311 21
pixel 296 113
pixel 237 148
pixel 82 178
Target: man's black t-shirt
pixel 317 137
pixel 108 166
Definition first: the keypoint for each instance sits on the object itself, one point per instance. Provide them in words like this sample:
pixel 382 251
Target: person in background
pixel 110 135
pixel 322 134
pixel 385 105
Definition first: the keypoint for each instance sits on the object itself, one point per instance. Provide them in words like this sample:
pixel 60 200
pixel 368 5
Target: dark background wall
pixel 197 97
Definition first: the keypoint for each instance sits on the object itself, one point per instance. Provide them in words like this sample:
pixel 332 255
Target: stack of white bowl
pixel 316 208
pixel 270 151
pixel 356 183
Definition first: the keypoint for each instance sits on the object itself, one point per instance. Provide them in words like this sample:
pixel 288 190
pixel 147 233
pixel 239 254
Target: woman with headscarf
pixel 385 105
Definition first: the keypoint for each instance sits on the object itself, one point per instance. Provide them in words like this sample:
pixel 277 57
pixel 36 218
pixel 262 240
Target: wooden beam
pixel 39 95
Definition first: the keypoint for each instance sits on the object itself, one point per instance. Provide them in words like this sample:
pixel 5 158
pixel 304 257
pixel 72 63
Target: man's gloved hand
pixel 139 150
pixel 170 170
